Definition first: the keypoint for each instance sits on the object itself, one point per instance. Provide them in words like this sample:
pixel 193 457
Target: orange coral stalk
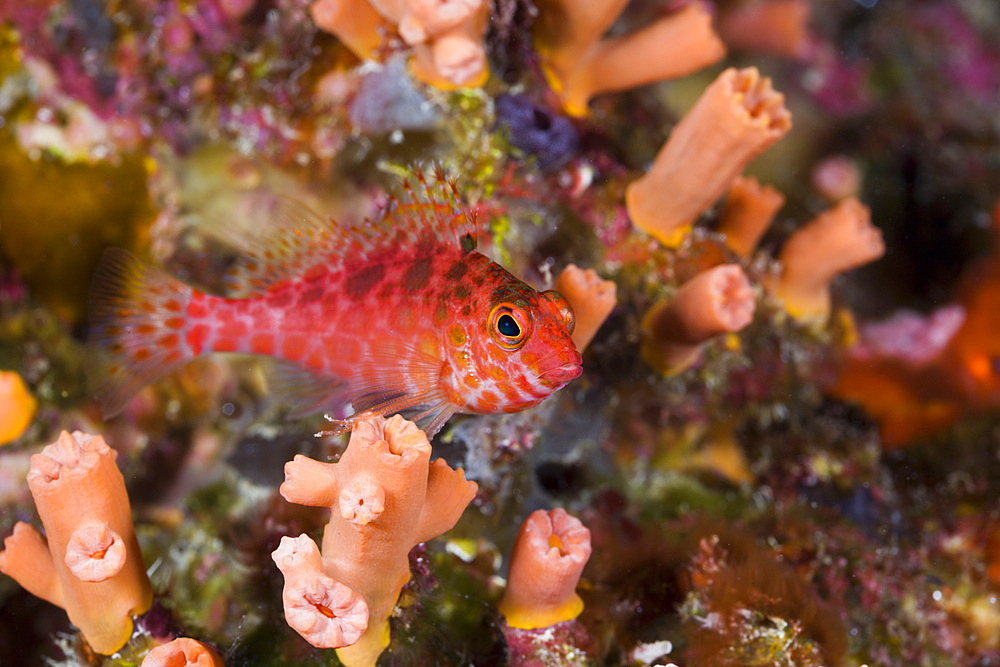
pixel 183 652
pixel 548 557
pixel 580 65
pixel 716 301
pixel 748 212
pixel 353 22
pixel 775 27
pixel 737 118
pixel 94 569
pixel 17 407
pixel 838 240
pixel 327 613
pixel 385 497
pixel 592 300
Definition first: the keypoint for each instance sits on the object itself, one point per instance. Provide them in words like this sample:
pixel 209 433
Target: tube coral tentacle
pixel 748 213
pixel 81 499
pixel 592 300
pixel 548 558
pixel 716 301
pixel 580 65
pixel 838 240
pixel 385 498
pixel 183 652
pixel 737 118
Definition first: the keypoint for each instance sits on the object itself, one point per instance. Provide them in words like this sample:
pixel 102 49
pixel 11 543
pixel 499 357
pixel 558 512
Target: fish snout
pixel 563 368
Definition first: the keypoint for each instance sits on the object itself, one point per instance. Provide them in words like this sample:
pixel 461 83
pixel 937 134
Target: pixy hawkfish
pixel 399 315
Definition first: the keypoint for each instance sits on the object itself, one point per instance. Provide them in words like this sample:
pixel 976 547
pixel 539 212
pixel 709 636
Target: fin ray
pixel 137 319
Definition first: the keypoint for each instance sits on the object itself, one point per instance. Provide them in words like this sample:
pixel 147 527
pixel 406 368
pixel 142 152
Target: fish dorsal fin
pixel 431 206
pixel 300 239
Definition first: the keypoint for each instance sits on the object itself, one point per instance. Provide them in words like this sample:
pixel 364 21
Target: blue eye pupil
pixel 508 326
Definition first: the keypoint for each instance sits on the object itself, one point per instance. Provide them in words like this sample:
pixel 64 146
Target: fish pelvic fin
pixel 138 320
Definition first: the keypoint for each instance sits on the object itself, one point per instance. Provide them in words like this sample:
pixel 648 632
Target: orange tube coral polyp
pixel 579 65
pixel 91 565
pixel 17 407
pixel 327 613
pixel 718 300
pixel 737 118
pixel 549 555
pixel 838 240
pixel 353 22
pixel 182 652
pixel 747 214
pixel 592 300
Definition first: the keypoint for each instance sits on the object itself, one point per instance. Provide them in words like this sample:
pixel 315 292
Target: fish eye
pixel 507 326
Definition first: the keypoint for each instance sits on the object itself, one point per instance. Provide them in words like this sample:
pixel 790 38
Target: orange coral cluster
pixel 91 565
pixel 579 64
pixel 446 36
pixel 548 558
pixel 385 497
pixel 737 118
pixel 917 397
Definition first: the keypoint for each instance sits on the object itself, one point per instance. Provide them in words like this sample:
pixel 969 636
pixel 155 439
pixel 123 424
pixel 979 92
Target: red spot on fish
pixel 196 337
pixel 293 346
pixel 262 343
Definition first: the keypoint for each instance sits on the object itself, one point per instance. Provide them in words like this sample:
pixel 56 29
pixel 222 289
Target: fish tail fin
pixel 138 318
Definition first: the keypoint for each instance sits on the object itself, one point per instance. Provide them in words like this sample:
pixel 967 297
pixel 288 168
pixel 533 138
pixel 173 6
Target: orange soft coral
pixel 748 212
pixel 91 565
pixel 17 407
pixel 579 64
pixel 182 652
pixel 736 119
pixel 718 300
pixel 592 300
pixel 354 22
pixel 838 240
pixel 385 497
pixel 548 557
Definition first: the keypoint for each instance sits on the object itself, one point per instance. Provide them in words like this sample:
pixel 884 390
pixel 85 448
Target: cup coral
pixel 91 565
pixel 182 652
pixel 385 497
pixel 579 64
pixel 592 300
pixel 737 118
pixel 548 557
pixel 838 240
pixel 716 301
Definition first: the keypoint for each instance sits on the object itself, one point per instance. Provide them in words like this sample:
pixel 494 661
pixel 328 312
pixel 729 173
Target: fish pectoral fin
pixel 401 378
pixel 305 390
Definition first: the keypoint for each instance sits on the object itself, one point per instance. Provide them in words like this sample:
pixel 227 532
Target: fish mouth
pixel 566 372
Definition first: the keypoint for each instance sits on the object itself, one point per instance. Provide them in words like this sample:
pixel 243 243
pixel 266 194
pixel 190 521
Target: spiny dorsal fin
pixel 301 239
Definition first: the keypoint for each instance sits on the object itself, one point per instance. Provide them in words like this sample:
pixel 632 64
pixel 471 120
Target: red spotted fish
pixel 402 315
